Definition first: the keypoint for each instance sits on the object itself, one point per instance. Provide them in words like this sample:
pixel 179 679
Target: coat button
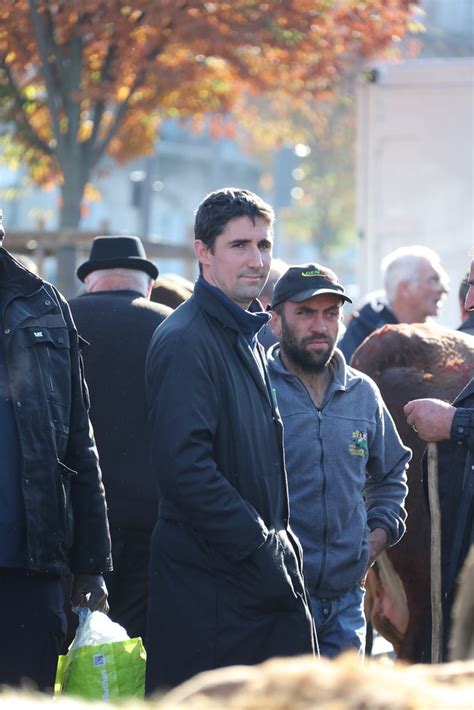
pixel 47 303
pixel 60 340
pixel 18 404
pixel 7 331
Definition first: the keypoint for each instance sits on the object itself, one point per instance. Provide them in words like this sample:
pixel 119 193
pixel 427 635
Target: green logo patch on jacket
pixel 358 445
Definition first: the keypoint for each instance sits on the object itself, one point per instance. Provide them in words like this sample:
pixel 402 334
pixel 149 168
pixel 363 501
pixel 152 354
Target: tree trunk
pixel 72 192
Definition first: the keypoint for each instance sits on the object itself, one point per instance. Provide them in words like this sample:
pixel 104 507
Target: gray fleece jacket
pixel 346 471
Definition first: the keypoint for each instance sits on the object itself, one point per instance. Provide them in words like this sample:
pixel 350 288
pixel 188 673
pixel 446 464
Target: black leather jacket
pixel 66 520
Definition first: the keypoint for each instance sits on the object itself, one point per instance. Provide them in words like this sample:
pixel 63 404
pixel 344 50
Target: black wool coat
pixel 226 585
pixel 118 327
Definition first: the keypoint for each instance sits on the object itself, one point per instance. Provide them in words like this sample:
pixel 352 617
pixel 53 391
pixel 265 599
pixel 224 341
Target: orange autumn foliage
pixel 79 80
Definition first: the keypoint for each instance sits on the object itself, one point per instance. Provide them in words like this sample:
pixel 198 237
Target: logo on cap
pixel 319 272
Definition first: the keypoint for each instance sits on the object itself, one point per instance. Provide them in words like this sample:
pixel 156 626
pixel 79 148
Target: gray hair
pixel 403 264
pixel 116 279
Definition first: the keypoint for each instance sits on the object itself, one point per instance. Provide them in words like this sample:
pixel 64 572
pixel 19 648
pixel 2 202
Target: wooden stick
pixel 435 556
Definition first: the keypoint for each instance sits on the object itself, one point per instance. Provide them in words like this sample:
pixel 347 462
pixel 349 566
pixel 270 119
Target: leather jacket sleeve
pixel 462 428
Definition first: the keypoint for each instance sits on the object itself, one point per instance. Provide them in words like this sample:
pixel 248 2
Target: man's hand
pixel 430 418
pixel 90 590
pixel 378 539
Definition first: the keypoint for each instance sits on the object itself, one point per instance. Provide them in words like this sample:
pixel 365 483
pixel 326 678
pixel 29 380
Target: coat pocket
pixel 51 346
pixel 273 575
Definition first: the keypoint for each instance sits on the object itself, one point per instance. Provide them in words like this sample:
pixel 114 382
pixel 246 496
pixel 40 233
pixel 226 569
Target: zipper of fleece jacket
pixel 324 506
pixel 324 487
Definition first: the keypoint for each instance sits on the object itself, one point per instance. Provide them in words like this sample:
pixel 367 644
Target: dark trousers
pixel 32 628
pixel 128 583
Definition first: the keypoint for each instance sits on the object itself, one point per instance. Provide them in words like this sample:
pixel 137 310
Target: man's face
pixel 308 331
pixel 240 260
pixel 428 290
pixel 469 302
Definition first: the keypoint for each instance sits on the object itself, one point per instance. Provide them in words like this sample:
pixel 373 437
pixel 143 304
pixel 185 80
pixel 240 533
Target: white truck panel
pixel 415 165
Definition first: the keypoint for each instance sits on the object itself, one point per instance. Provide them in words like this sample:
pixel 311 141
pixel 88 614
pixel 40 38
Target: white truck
pixel 415 165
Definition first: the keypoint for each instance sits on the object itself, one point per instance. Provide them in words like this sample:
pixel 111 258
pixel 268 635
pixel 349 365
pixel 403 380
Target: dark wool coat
pixel 65 512
pixel 467 326
pixel 226 585
pixel 118 326
pixel 373 315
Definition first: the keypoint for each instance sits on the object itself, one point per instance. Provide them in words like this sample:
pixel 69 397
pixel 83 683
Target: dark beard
pixel 305 360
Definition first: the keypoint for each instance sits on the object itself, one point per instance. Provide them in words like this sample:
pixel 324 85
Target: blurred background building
pixel 415 151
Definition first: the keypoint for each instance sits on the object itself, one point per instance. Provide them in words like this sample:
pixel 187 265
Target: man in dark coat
pixel 452 427
pixel 52 507
pixel 117 319
pixel 226 584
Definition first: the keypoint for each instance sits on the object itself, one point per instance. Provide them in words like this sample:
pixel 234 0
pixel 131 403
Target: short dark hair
pixel 221 206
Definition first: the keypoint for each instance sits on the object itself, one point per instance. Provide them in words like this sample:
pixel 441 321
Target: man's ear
pixel 149 288
pixel 275 324
pixel 201 250
pixel 403 289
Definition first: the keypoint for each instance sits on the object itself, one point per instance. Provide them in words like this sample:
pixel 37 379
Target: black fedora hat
pixel 117 253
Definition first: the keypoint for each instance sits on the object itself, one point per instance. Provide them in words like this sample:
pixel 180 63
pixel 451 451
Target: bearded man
pixel 346 464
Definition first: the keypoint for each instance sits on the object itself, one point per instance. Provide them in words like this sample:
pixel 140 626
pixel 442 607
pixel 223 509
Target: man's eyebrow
pixel 314 309
pixel 242 240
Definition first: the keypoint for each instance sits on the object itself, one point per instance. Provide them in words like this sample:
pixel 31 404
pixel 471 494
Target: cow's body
pixel 409 362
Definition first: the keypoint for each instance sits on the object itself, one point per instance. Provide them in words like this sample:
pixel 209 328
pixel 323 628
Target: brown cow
pixel 409 362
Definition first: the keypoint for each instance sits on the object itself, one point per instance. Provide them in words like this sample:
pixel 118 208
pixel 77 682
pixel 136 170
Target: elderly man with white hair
pixel 415 286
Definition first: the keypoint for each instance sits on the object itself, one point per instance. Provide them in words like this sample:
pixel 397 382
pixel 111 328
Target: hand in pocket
pixel 274 586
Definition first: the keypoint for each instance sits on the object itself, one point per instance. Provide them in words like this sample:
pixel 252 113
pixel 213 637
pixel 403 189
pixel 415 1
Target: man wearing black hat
pixel 345 461
pixel 117 320
pixel 52 506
